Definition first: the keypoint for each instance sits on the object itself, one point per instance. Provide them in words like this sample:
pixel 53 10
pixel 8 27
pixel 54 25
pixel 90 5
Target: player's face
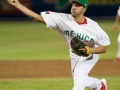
pixel 77 9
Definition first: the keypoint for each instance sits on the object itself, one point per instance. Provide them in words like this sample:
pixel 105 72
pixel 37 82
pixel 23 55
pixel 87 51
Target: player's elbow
pixel 104 49
pixel 36 18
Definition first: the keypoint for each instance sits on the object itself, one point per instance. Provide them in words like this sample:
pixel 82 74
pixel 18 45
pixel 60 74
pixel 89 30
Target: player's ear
pixel 84 10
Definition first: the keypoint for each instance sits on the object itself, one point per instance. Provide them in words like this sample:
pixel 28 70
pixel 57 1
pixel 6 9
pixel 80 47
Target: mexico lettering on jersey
pixel 68 28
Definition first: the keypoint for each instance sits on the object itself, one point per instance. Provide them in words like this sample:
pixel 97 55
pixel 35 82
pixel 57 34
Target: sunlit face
pixel 77 9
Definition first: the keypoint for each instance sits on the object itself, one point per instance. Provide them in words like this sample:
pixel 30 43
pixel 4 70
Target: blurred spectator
pixel 115 26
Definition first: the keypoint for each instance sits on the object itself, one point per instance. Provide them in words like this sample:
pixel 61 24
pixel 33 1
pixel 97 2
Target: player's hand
pixel 15 3
pixel 114 26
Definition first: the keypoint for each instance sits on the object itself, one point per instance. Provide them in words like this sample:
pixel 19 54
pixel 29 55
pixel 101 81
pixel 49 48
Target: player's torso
pixel 68 28
pixel 82 31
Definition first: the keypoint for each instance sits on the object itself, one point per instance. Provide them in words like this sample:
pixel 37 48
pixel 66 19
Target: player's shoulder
pixel 64 16
pixel 93 24
pixel 91 21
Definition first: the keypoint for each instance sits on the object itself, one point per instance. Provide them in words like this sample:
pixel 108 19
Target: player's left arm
pixel 98 50
pixel 102 41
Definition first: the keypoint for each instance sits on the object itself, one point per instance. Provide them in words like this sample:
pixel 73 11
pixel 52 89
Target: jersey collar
pixel 84 22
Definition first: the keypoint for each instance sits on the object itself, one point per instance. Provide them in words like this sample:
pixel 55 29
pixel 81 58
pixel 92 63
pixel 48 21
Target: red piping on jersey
pixel 47 12
pixel 84 22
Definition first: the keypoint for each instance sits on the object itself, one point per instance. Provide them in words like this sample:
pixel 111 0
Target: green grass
pixel 51 84
pixel 36 84
pixel 29 40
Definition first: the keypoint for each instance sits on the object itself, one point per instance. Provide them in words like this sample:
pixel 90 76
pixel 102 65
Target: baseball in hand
pixel 12 0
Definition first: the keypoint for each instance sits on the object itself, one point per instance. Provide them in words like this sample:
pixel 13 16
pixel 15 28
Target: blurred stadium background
pixel 97 8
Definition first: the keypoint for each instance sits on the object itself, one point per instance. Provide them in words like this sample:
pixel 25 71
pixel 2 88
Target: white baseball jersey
pixel 87 31
pixel 119 11
pixel 68 28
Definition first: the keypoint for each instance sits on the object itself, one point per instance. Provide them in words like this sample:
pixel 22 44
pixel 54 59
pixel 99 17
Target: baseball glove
pixel 79 47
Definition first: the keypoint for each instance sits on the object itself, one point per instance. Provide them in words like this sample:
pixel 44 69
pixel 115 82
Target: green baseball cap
pixel 83 2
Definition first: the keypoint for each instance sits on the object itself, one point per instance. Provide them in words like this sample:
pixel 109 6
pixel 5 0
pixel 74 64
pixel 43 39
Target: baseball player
pixel 76 25
pixel 115 25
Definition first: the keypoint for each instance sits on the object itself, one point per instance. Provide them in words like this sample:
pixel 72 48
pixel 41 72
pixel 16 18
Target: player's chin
pixel 73 14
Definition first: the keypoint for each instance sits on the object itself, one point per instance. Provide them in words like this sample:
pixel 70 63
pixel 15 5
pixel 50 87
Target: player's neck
pixel 79 19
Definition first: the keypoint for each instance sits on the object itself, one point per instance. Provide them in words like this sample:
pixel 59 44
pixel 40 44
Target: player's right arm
pixel 27 11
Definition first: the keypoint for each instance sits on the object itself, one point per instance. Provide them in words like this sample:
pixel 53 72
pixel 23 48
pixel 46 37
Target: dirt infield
pixel 43 69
